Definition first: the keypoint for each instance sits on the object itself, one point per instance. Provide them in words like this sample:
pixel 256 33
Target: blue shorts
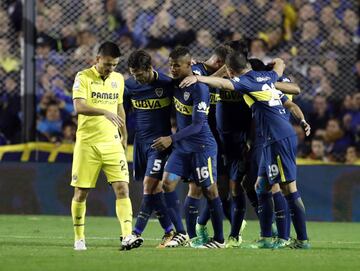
pixel 199 167
pixel 234 150
pixel 148 161
pixel 278 161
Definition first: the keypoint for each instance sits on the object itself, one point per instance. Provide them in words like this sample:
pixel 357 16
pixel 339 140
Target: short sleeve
pixel 240 85
pixel 201 99
pixel 79 89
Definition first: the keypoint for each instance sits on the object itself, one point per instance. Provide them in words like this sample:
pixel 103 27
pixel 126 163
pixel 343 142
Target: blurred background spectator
pixel 319 41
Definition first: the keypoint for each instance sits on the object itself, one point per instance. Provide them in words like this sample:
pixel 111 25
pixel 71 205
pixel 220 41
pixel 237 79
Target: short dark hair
pixel 139 59
pixel 240 46
pixel 318 138
pixel 222 51
pixel 236 61
pixel 109 48
pixel 179 51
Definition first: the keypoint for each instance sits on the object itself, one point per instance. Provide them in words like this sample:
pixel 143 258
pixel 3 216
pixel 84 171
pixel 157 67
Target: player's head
pixel 107 58
pixel 180 62
pixel 240 46
pixel 258 65
pixel 217 60
pixel 139 64
pixel 236 63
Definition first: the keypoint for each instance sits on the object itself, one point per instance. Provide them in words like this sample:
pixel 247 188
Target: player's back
pixel 192 105
pixel 260 94
pixel 99 93
pixel 200 69
pixel 152 107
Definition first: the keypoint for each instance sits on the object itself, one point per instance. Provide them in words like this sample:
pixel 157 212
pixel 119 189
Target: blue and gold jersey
pixel 266 103
pixel 152 107
pixel 232 113
pixel 192 108
pixel 259 139
pixel 200 69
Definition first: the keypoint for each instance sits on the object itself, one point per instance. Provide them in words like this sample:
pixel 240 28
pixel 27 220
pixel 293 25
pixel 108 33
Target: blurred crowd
pixel 318 39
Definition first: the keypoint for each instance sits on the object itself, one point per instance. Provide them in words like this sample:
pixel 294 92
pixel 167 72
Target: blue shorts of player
pixel 278 161
pixel 234 149
pixel 199 167
pixel 148 162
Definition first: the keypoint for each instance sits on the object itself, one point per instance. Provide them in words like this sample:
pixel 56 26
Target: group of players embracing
pixel 233 140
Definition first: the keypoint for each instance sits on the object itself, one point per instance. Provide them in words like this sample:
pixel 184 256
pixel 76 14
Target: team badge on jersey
pixel 113 84
pixel 159 92
pixel 186 95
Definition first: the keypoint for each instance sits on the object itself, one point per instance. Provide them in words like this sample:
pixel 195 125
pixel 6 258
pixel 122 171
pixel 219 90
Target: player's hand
pixel 278 62
pixel 123 142
pixel 188 81
pixel 115 119
pixel 161 143
pixel 306 127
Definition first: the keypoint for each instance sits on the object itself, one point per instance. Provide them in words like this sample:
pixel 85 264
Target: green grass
pixel 45 243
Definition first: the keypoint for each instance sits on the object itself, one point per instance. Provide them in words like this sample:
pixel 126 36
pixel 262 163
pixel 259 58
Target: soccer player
pixel 98 101
pixel 233 119
pixel 278 162
pixel 192 201
pixel 151 94
pixel 194 153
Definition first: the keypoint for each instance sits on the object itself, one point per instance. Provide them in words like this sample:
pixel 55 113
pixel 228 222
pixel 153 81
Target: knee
pixel 194 191
pixel 168 186
pixel 80 194
pixel 121 190
pixel 211 192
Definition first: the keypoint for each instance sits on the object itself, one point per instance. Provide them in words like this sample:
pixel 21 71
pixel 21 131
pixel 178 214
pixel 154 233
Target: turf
pixel 45 243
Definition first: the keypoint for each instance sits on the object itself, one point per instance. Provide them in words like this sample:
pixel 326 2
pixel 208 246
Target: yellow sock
pixel 124 215
pixel 78 210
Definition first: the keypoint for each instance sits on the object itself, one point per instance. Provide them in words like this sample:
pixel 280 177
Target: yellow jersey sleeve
pixel 122 86
pixel 80 88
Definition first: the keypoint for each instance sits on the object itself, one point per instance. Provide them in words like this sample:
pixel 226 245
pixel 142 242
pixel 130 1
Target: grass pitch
pixel 45 243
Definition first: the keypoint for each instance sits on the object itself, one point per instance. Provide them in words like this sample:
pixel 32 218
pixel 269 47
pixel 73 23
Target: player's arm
pixel 279 66
pixel 122 129
pixel 297 114
pixel 212 81
pixel 288 88
pixel 81 107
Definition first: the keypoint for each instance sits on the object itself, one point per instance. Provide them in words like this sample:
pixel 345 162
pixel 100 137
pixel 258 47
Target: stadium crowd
pixel 318 40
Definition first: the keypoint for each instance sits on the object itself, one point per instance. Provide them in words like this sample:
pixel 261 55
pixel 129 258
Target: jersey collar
pixel 97 74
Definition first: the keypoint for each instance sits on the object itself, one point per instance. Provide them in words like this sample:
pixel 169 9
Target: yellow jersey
pixel 98 93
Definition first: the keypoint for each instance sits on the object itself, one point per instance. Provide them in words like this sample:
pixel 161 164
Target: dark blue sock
pixel 216 213
pixel 191 209
pixel 226 205
pixel 297 211
pixel 238 208
pixel 280 215
pixel 265 211
pixel 252 196
pixel 204 215
pixel 146 209
pixel 288 219
pixel 173 208
pixel 161 211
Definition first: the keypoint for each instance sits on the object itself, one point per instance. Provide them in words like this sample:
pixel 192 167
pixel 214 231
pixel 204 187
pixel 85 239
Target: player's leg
pixel 238 202
pixel 191 208
pixel 280 208
pixel 85 170
pixel 176 167
pixel 205 176
pixel 116 170
pixel 298 216
pixel 139 170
